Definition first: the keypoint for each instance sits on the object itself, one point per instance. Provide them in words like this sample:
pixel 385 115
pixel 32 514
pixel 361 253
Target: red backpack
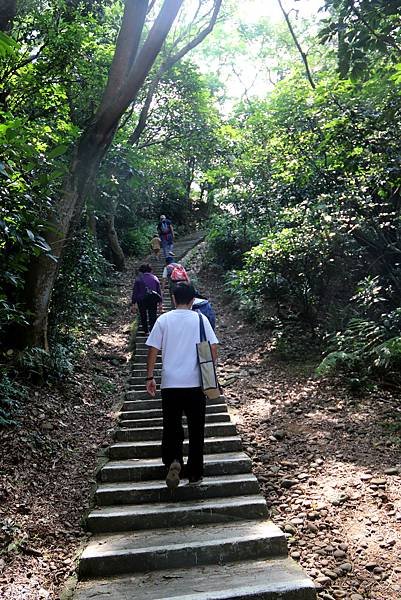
pixel 176 273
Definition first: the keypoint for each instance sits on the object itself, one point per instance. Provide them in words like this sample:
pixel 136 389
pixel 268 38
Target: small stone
pixel 279 434
pixel 391 471
pixel 370 566
pixel 339 554
pixel 347 567
pixel 365 477
pixel 289 528
pixel 356 597
pixel 378 481
pixel 378 570
pixel 312 528
pixel 296 555
pixel 330 573
pixel 322 580
pixel 288 483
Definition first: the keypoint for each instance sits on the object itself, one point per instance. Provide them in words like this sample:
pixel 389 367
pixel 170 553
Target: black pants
pixel 148 312
pixel 192 403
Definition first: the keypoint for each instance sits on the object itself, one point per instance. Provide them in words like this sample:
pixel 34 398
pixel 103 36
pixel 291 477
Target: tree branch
pixel 383 38
pixel 166 66
pixel 298 45
pixel 127 46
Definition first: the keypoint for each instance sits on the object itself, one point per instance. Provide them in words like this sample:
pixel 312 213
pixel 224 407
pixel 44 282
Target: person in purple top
pixel 146 294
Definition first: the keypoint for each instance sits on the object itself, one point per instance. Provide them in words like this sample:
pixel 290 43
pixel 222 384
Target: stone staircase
pixel 212 542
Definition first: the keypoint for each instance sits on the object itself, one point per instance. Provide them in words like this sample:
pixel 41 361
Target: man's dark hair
pixel 169 260
pixel 145 268
pixel 183 293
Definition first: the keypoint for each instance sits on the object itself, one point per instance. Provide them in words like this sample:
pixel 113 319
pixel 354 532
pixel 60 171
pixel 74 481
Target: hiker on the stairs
pixel 173 274
pixel 166 233
pixel 176 334
pixel 147 295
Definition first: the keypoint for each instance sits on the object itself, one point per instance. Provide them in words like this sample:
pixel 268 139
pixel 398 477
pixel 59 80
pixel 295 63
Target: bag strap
pixel 201 328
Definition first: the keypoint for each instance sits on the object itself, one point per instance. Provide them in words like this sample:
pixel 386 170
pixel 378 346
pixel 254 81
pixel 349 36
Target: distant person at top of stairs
pixel 147 295
pixel 176 334
pixel 166 233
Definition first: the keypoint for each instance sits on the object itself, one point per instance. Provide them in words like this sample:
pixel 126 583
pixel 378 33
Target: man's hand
pixel 151 387
pixel 160 308
pixel 133 309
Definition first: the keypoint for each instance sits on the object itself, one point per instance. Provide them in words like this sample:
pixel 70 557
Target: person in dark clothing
pixel 166 233
pixel 146 294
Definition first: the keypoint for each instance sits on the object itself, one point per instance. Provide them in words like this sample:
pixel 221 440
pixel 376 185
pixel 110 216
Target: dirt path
pixel 327 463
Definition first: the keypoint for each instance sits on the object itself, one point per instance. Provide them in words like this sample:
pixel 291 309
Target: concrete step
pixel 129 434
pixel 225 463
pixel 152 449
pixel 157 412
pixel 157 491
pixel 132 395
pixel 142 401
pixel 142 373
pixel 130 419
pixel 175 514
pixel 141 380
pixel 272 579
pixel 140 386
pixel 170 548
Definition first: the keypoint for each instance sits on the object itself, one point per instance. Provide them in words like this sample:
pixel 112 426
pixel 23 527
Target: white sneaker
pixel 173 475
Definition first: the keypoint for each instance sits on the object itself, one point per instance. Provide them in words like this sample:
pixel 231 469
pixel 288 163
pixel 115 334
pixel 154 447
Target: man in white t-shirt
pixel 176 334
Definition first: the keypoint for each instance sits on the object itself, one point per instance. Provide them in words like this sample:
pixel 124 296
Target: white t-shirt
pixel 176 334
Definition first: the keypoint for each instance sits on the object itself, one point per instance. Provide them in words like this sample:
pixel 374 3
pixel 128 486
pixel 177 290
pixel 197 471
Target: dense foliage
pixel 316 173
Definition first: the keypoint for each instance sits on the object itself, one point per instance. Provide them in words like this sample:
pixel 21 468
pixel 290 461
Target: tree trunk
pixel 43 269
pixel 117 254
pixel 92 226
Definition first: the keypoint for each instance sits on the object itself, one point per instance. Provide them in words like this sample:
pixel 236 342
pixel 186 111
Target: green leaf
pixel 58 151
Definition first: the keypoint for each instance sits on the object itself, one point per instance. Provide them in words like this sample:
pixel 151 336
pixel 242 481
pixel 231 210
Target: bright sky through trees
pixel 244 66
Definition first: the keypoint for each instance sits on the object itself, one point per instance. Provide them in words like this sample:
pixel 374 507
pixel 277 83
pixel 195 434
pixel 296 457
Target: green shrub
pixel 229 238
pixel 12 394
pixel 77 294
pixel 41 366
pixel 136 241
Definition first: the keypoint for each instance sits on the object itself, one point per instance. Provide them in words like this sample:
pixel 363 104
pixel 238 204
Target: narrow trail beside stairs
pixel 208 542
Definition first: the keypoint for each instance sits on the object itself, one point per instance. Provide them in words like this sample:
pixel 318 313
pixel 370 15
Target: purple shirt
pixel 143 281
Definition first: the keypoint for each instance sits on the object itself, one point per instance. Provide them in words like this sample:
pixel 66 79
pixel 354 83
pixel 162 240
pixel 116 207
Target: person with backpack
pixel 176 334
pixel 202 305
pixel 147 295
pixel 166 233
pixel 173 274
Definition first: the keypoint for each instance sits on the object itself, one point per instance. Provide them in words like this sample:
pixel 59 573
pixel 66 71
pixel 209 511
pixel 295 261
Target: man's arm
pixel 150 367
pixel 213 348
pixel 172 232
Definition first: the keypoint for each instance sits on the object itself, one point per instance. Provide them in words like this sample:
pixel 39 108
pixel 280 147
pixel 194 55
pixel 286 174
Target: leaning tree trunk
pixel 43 270
pixel 117 255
